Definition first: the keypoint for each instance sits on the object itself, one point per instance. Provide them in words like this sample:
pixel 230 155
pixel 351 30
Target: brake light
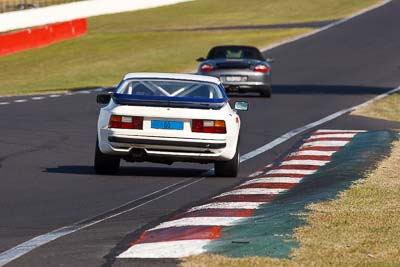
pixel 208 126
pixel 261 68
pixel 207 68
pixel 126 122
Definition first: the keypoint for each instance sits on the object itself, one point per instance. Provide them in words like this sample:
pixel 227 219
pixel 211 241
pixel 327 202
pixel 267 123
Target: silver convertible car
pixel 239 68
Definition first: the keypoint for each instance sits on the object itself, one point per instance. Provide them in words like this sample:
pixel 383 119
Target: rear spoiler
pixel 164 101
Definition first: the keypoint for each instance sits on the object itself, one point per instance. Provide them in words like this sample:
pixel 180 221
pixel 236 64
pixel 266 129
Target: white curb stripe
pixel 305 162
pixel 168 249
pixel 328 131
pixel 312 153
pixel 198 221
pixel 325 143
pixel 283 180
pixel 228 205
pixel 288 171
pixel 318 136
pixel 54 96
pixel 4 103
pixel 253 191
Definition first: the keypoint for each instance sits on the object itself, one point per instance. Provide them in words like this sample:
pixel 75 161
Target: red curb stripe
pixel 328 139
pixel 244 198
pixel 215 213
pixel 290 175
pixel 304 157
pixel 179 233
pixel 297 167
pixel 325 133
pixel 267 185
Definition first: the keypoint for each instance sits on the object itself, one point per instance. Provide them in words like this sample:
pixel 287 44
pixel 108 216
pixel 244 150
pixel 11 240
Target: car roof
pixel 235 46
pixel 177 76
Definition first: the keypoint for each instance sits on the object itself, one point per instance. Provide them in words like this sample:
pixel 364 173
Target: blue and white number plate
pixel 169 125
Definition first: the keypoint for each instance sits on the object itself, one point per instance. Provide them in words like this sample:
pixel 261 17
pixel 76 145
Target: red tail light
pixel 207 68
pixel 208 126
pixel 126 122
pixel 261 68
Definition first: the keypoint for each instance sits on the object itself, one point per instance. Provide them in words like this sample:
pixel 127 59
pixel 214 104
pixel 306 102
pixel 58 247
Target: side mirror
pixel 270 60
pixel 103 98
pixel 200 59
pixel 241 105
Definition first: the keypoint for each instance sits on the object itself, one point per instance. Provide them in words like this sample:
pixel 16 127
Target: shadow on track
pixel 130 171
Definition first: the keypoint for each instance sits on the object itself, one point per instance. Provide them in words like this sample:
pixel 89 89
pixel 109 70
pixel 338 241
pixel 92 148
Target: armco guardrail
pixel 14 42
pixel 66 12
pixel 15 5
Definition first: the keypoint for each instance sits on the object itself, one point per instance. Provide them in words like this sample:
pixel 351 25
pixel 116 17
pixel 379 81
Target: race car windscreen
pixel 234 52
pixel 171 89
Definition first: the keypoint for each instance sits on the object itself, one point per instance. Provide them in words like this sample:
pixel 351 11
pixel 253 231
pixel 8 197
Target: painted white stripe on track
pixel 228 205
pixel 198 221
pixel 304 162
pixel 168 249
pixel 289 171
pixel 325 143
pixel 20 101
pixel 312 153
pixel 54 96
pixel 283 180
pixel 4 103
pixel 38 97
pixel 253 191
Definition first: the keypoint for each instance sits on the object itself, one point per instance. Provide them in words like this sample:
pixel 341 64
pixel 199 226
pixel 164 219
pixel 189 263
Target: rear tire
pixel 228 168
pixel 266 92
pixel 105 164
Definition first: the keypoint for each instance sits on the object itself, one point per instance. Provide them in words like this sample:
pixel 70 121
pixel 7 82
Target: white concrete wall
pixel 65 12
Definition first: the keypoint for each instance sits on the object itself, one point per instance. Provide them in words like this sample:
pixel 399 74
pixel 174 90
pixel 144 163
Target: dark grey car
pixel 240 69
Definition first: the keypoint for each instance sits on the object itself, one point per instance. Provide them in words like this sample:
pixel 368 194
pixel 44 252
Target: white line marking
pixel 304 162
pixel 198 221
pixel 312 153
pixel 38 98
pixel 228 205
pixel 283 180
pixel 54 96
pixel 4 103
pixel 168 249
pixel 347 135
pixel 20 250
pixel 253 191
pixel 20 101
pixel 325 143
pixel 289 171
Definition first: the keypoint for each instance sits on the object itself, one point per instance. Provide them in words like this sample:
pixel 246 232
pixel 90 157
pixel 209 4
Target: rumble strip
pixel 190 232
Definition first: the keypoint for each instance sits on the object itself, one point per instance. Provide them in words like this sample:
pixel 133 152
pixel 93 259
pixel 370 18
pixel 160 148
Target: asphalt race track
pixel 47 145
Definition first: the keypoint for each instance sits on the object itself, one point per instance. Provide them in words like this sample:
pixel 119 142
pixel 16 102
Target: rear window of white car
pixel 160 88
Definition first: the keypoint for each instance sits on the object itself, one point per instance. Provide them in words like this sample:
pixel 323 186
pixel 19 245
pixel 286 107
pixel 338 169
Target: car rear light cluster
pixel 208 126
pixel 126 122
pixel 261 68
pixel 207 68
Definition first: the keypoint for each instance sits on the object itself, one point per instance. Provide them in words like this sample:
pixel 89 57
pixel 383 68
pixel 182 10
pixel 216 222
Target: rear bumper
pixel 172 149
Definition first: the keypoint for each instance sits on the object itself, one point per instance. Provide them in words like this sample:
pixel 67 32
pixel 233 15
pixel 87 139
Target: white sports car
pixel 165 117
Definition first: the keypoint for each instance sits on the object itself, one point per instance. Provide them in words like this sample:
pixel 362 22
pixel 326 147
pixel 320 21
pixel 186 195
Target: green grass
pixel 117 44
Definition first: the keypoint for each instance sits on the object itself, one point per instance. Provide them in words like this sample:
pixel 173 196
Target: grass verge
pixel 359 228
pixel 128 42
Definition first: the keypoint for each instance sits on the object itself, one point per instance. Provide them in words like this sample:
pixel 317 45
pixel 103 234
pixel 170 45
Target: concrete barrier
pixel 71 11
pixel 42 36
